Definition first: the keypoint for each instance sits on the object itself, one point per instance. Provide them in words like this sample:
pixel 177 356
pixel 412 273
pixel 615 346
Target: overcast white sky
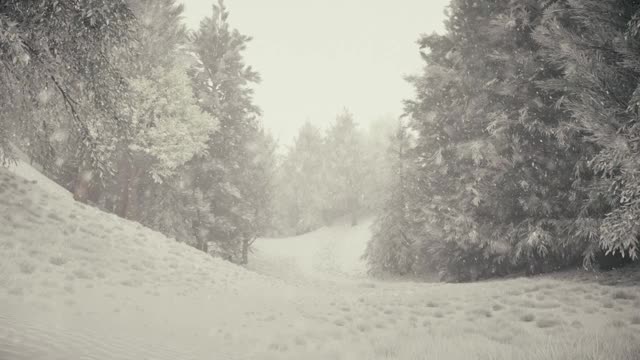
pixel 318 56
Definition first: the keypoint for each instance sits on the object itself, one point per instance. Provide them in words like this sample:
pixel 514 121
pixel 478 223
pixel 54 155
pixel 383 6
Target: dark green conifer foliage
pixel 231 171
pixel 595 48
pixel 494 182
pixel 394 248
pixel 60 60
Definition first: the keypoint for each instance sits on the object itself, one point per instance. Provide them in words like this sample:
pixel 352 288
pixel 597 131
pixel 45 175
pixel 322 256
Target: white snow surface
pixel 29 172
pixel 78 283
pixel 331 253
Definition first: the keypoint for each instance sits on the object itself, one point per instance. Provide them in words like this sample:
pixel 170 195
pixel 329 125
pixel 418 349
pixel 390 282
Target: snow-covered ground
pixel 77 283
pixel 26 171
pixel 331 253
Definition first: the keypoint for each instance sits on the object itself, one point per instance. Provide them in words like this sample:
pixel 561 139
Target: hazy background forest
pixel 517 151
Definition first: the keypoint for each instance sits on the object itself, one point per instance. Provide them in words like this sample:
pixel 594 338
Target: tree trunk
pixel 82 183
pixel 201 242
pixel 81 186
pixel 134 200
pixel 124 175
pixel 245 251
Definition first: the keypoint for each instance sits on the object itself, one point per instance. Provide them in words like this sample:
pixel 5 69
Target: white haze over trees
pixel 332 176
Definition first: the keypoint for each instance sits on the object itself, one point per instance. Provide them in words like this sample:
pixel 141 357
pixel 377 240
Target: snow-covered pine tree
pixel 346 166
pixel 494 183
pixel 257 182
pixel 62 79
pixel 301 183
pixel 377 141
pixel 160 109
pixel 168 130
pixel 393 249
pixel 595 47
pixel 162 130
pixel 452 154
pixel 222 84
pixel 162 34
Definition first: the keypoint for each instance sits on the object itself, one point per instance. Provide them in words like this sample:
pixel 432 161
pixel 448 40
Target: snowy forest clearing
pixel 137 151
pixel 80 283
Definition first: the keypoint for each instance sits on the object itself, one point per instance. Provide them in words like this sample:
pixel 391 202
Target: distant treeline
pixel 340 175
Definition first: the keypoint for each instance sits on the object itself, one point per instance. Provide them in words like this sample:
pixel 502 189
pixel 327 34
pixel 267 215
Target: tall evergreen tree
pixel 301 190
pixel 257 182
pixel 168 130
pixel 222 86
pixel 392 249
pixel 346 167
pixel 59 56
pixel 377 141
pixel 495 185
pixel 595 47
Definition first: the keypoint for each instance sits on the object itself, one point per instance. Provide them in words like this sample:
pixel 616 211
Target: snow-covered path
pixel 329 254
pixel 76 283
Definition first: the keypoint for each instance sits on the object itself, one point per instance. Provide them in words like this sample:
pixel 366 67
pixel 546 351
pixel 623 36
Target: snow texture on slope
pixel 78 283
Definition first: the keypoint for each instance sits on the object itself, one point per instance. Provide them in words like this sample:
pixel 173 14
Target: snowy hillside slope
pixel 68 268
pixel 77 283
pixel 22 168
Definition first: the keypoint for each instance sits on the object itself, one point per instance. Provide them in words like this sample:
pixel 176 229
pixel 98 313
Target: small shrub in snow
pixel 16 291
pixel 617 323
pixel 81 274
pixel 608 305
pixel 576 324
pixel 623 295
pixel 527 317
pixel 58 260
pixel 27 268
pixel 547 323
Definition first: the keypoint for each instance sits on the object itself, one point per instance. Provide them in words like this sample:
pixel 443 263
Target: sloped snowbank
pixel 77 283
pixel 29 172
pixel 68 268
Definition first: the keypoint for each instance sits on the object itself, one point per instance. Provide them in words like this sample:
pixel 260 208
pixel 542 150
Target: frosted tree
pixel 56 57
pixel 594 46
pixel 168 129
pixel 301 185
pixel 222 84
pixel 494 182
pixel 346 167
pixel 393 246
pixel 377 140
